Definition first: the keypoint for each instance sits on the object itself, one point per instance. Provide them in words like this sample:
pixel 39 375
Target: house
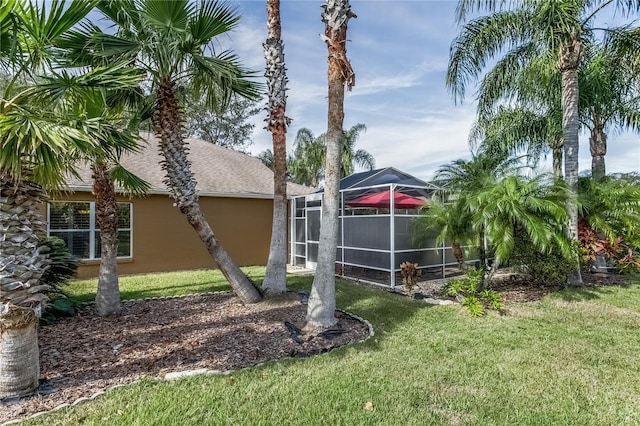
pixel 236 197
pixel 377 212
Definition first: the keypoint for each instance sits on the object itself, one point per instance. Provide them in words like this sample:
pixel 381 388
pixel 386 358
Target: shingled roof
pixel 219 171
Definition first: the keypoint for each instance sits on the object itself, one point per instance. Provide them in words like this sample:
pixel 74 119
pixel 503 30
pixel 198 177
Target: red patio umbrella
pixel 383 200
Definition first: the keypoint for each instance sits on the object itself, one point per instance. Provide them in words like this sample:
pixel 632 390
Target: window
pixel 75 223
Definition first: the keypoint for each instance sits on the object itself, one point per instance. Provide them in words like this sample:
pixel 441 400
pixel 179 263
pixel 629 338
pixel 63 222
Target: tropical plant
pixel 532 206
pixel 43 131
pixel 307 162
pixel 172 41
pixel 609 98
pixel 276 274
pixel 469 290
pixel 62 266
pixel 322 300
pixel 528 31
pixel 609 208
pixel 449 222
pixel 448 214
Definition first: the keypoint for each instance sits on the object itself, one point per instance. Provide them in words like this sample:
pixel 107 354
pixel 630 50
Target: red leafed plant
pixel 594 243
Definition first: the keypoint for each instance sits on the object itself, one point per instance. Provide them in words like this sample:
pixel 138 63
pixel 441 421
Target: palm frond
pixel 131 184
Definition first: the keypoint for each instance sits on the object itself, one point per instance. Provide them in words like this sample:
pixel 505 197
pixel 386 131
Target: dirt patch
pixel 84 354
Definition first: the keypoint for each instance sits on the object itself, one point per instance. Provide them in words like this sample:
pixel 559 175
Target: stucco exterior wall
pixel 164 241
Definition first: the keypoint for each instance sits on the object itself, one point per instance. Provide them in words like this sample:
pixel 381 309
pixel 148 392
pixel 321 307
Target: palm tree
pixel 352 157
pixel 609 95
pixel 531 30
pixel 307 165
pixel 275 277
pixel 610 205
pixel 38 145
pixel 307 162
pixel 322 300
pixel 535 207
pixel 462 179
pixel 447 222
pixel 511 130
pixel 172 41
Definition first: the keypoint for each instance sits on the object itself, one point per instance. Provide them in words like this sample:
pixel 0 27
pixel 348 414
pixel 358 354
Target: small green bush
pixel 476 299
pixel 63 265
pixel 543 268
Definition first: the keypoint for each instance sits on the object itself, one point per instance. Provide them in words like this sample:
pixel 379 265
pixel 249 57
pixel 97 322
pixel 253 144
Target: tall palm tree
pixel 530 30
pixel 322 300
pixel 609 96
pixel 275 277
pixel 172 40
pixel 511 130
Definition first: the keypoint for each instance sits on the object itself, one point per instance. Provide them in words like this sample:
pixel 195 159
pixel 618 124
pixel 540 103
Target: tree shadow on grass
pixel 386 311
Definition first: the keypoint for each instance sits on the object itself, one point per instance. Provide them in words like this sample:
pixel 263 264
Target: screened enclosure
pixel 376 229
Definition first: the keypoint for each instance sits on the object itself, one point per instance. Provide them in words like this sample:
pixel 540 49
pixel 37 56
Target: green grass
pixel 157 285
pixel 571 359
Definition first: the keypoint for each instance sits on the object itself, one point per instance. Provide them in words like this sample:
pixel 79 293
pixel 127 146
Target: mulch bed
pixel 84 354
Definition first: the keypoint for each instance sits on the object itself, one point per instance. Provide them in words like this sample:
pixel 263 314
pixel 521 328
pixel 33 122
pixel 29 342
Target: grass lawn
pixel 571 359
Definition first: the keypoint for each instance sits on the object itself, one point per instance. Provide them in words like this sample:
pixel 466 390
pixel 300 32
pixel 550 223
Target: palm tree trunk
pixel 182 186
pixel 570 54
pixel 598 148
pixel 19 356
pixel 557 162
pixel 108 294
pixel 276 275
pixel 22 264
pixel 457 253
pixel 322 300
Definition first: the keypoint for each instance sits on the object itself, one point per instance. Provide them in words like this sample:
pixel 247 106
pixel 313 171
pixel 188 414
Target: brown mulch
pixel 518 288
pixel 84 354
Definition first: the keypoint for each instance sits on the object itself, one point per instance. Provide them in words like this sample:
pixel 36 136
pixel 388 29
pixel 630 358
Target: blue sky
pixel 399 51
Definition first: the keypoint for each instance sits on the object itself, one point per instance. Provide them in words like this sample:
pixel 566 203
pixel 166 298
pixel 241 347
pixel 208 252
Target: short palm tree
pixel 172 41
pixel 448 222
pixel 42 134
pixel 533 206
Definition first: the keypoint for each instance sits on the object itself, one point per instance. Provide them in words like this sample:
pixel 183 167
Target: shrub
pixel 62 266
pixel 474 298
pixel 543 268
